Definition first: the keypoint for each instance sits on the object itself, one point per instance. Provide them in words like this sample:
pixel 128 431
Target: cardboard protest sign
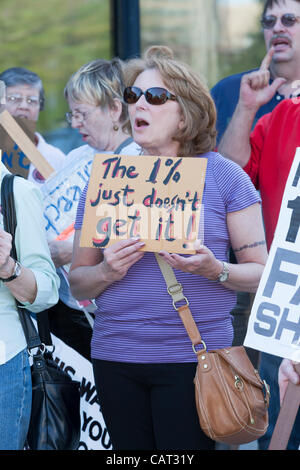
pixel 156 198
pixel 274 324
pixel 16 141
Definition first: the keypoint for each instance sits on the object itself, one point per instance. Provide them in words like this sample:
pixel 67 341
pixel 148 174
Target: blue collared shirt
pixel 226 96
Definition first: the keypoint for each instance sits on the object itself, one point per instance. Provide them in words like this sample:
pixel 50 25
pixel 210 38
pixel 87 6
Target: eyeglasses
pixel 154 95
pixel 77 115
pixel 288 20
pixel 16 100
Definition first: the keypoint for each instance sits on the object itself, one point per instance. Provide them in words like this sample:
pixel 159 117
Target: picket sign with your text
pixel 61 194
pixel 155 198
pixel 274 324
pixel 94 434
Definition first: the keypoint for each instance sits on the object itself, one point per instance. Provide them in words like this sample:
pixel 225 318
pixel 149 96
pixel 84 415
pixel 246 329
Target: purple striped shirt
pixel 135 320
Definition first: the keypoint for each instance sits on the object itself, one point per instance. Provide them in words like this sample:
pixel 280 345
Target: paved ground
pixel 249 446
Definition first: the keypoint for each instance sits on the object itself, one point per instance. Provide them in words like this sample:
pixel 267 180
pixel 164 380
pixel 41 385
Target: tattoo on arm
pixel 253 245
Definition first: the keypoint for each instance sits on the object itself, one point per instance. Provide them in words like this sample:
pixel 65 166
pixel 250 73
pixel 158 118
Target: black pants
pixel 149 406
pixel 72 327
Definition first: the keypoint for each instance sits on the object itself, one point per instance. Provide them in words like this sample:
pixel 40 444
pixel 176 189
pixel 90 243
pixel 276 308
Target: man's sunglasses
pixel 288 20
pixel 155 95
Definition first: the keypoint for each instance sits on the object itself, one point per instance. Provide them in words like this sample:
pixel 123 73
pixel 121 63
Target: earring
pixel 116 127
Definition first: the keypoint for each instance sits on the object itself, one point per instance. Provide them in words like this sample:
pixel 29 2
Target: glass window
pixel 189 27
pixel 240 45
pixel 216 37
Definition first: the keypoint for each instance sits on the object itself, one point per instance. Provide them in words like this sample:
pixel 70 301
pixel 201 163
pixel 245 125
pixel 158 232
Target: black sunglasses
pixel 155 95
pixel 288 19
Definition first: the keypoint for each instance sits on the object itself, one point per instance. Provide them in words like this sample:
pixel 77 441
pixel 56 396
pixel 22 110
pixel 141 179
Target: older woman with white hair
pixel 97 110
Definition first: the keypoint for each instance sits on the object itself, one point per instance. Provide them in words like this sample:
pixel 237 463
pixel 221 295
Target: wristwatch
pixel 16 273
pixel 223 276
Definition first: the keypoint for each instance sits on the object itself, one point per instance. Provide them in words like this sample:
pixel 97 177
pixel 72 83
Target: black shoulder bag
pixel 55 414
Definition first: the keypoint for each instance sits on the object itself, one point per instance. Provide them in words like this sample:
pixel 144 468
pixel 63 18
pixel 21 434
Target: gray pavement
pixel 250 446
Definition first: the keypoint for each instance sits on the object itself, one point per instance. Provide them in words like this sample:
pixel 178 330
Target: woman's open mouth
pixel 140 123
pixel 84 136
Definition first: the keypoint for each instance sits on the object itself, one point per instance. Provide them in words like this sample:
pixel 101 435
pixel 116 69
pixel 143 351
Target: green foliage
pixel 53 39
pixel 247 59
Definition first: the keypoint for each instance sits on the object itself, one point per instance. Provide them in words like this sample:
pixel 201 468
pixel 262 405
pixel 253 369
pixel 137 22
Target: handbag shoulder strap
pixel 8 208
pixel 175 290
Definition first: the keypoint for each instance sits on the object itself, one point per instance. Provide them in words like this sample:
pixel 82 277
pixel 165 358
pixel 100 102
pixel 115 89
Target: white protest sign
pixel 94 434
pixel 274 324
pixel 61 194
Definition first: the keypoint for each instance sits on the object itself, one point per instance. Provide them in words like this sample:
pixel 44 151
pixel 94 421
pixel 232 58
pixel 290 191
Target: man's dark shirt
pixel 226 95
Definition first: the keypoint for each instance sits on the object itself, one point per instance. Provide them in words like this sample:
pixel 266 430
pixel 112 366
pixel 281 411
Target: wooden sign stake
pixel 286 417
pixel 23 141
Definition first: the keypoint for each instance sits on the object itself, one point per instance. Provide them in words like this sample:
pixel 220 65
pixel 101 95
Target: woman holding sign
pixel 142 357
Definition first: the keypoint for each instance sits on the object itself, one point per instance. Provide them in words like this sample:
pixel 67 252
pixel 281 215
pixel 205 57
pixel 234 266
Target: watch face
pixel 17 270
pixel 224 274
pixel 16 273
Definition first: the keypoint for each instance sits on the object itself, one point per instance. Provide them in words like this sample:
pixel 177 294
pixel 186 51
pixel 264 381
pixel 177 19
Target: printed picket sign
pixel 94 434
pixel 155 198
pixel 274 323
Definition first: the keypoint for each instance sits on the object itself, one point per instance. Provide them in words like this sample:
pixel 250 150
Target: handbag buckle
pixel 40 350
pixel 184 305
pixel 174 289
pixel 201 350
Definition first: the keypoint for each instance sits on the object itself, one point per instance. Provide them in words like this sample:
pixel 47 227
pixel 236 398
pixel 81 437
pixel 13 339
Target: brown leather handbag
pixel 231 399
